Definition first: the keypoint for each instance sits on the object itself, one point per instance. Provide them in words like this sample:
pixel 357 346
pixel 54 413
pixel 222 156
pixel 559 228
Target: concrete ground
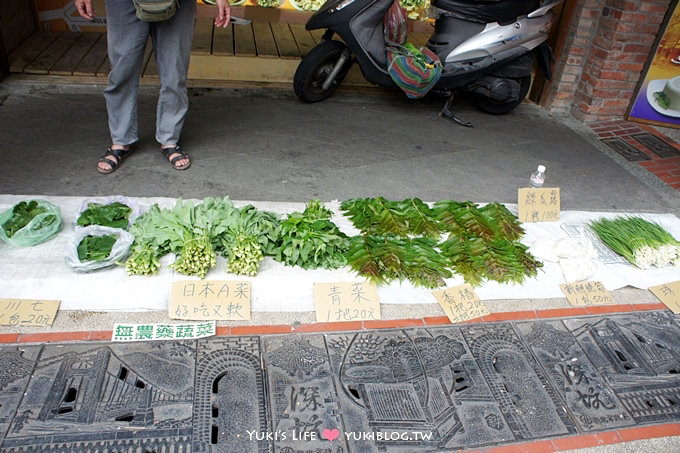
pixel 264 144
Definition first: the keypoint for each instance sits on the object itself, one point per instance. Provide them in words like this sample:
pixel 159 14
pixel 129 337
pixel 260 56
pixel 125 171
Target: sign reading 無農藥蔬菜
pixel 582 294
pixel 460 303
pixel 28 312
pixel 539 204
pixel 148 332
pixel 202 300
pixel 669 294
pixel 346 301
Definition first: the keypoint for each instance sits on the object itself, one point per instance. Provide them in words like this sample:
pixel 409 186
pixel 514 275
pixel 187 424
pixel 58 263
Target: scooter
pixel 486 48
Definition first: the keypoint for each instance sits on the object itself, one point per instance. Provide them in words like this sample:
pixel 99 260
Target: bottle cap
pixel 541 168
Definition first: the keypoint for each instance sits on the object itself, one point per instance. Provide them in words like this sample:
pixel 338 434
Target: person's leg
pixel 127 38
pixel 172 47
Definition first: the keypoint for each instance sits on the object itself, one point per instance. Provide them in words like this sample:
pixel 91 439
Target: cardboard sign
pixel 580 294
pixel 346 301
pixel 669 294
pixel 539 204
pixel 28 312
pixel 460 303
pixel 148 332
pixel 201 300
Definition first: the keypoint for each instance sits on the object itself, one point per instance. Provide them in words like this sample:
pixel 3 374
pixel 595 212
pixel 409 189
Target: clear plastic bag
pixel 119 252
pixel 132 204
pixel 41 227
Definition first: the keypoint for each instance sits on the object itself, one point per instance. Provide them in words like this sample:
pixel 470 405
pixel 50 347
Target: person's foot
pixel 112 159
pixel 176 157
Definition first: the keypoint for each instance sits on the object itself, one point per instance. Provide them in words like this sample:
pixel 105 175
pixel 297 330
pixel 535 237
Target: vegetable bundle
pixel 189 231
pixel 309 239
pixel 483 243
pixel 641 242
pixel 250 236
pixel 400 241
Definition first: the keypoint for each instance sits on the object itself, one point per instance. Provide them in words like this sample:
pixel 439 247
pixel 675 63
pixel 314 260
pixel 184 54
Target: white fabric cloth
pixel 40 272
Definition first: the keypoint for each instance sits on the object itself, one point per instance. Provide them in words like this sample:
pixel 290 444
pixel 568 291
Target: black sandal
pixel 119 154
pixel 169 151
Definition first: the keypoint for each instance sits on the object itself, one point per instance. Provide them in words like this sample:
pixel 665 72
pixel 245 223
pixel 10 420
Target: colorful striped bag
pixel 414 70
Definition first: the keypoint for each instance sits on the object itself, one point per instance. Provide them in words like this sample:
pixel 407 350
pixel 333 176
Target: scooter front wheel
pixel 321 71
pixel 498 108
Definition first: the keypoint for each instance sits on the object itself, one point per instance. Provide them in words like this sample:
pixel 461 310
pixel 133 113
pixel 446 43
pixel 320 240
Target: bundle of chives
pixel 641 242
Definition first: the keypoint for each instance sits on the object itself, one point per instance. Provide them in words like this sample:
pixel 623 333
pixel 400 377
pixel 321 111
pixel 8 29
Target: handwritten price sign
pixel 669 294
pixel 218 300
pixel 539 204
pixel 346 301
pixel 460 303
pixel 583 294
pixel 28 312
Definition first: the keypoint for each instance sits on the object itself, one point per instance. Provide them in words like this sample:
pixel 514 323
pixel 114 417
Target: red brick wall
pixel 607 46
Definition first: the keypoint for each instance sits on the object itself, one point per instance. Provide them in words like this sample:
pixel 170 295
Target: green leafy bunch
pixel 309 239
pixel 189 231
pixel 96 248
pixel 383 259
pixel 641 242
pixel 22 214
pixel 252 235
pixel 397 242
pixel 114 215
pixel 378 216
pixel 483 243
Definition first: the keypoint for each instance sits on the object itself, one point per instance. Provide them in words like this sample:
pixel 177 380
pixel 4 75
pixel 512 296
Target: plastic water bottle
pixel 538 177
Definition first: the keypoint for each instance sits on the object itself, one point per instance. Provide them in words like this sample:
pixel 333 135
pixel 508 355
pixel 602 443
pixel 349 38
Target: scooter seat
pixel 485 11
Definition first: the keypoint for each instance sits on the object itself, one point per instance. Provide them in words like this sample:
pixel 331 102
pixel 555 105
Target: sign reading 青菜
pixel 346 301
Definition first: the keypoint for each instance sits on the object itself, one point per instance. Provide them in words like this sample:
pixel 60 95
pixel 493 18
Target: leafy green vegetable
pixel 190 232
pixel 310 240
pixel 465 217
pixel 641 242
pixel 378 216
pixel 96 248
pixel 22 214
pixel 115 215
pixel 250 236
pixel 383 259
pixel 662 99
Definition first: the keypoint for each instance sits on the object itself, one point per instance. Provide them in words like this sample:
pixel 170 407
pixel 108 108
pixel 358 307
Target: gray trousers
pixel 127 37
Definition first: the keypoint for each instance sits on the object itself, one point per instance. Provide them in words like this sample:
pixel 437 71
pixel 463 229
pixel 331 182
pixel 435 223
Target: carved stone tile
pixel 639 357
pixel 16 365
pixel 400 390
pixel 131 395
pixel 585 393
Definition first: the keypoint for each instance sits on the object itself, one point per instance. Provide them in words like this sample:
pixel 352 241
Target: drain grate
pixel 657 145
pixel 626 150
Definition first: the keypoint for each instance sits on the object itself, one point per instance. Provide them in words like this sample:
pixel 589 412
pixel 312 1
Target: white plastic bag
pixel 119 252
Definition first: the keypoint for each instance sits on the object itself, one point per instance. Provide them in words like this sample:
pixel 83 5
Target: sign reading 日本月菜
pixel 201 300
